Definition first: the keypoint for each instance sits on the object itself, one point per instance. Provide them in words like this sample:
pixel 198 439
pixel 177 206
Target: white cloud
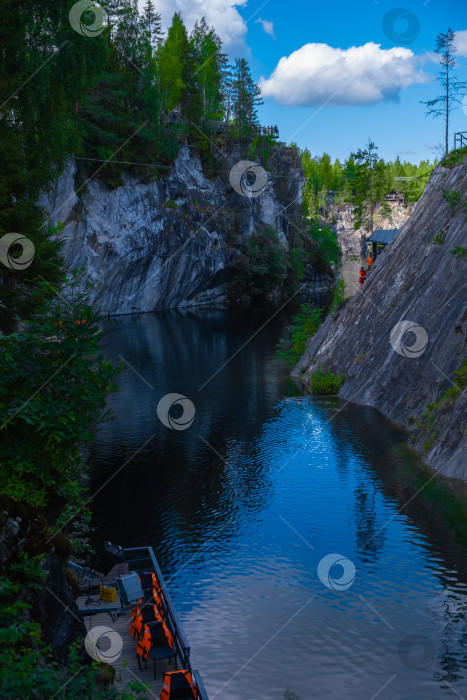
pixel 405 152
pixel 318 74
pixel 436 147
pixel 267 26
pixel 460 43
pixel 220 14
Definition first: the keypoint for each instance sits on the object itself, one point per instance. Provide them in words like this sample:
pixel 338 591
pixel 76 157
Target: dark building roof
pixel 383 235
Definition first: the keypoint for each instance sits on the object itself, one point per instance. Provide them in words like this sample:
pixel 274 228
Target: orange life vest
pixel 170 639
pixel 144 644
pixel 369 261
pixel 136 625
pixel 165 694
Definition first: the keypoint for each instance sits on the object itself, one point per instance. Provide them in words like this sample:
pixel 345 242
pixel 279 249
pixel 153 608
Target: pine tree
pixel 39 127
pixel 443 105
pixel 151 21
pixel 171 56
pixel 246 97
pixel 363 184
pixel 209 61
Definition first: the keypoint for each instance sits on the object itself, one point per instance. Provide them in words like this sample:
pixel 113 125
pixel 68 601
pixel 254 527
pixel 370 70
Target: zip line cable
pixel 156 165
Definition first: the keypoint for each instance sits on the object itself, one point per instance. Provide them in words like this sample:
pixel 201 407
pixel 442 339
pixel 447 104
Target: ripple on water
pixel 240 530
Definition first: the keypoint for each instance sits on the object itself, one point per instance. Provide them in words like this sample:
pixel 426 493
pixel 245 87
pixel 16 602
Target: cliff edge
pixel 173 241
pixel 400 340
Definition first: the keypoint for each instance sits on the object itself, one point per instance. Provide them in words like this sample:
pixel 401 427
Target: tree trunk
pixel 447 117
pixel 447 110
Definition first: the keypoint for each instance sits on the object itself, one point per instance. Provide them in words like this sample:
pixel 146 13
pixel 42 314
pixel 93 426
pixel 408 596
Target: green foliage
pixel 338 298
pixel 209 62
pixel 430 419
pixel 32 672
pixel 349 182
pixel 327 247
pixel 246 97
pixel 454 158
pixel 261 267
pixel 459 252
pixel 323 381
pixel 39 126
pixel 17 291
pixel 370 182
pixel 452 197
pixel 460 383
pixel 440 237
pixel 303 327
pixel 261 147
pixel 53 385
pixel 28 570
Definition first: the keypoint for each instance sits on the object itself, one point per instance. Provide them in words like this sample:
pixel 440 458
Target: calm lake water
pixel 243 506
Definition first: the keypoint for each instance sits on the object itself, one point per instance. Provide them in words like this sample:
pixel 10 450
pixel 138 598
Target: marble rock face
pixel 400 339
pixel 171 242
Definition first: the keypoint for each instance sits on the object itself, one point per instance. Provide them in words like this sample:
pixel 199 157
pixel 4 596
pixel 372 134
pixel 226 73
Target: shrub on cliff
pixel 325 249
pixel 53 385
pixel 323 381
pixel 261 267
pixel 304 325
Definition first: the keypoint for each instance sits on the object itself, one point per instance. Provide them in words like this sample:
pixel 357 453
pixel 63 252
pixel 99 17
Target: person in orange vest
pixel 362 276
pixel 369 260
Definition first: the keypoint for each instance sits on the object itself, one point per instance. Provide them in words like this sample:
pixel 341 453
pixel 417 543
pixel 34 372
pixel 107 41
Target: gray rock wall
pixel 340 218
pixel 171 242
pixel 416 279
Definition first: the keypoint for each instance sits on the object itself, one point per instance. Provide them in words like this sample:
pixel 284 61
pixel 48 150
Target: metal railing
pixel 143 559
pixel 460 140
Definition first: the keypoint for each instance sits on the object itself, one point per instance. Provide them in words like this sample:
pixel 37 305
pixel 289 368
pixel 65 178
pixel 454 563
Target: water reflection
pixel 241 507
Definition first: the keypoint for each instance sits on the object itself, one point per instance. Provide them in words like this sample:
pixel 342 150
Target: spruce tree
pixel 45 69
pixel 209 60
pixel 171 56
pixel 246 97
pixel 151 21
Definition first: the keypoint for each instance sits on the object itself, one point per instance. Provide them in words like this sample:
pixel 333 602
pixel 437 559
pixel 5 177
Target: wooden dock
pixel 130 671
pixel 117 618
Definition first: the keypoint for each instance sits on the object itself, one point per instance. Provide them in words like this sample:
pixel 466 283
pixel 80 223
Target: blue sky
pixel 376 77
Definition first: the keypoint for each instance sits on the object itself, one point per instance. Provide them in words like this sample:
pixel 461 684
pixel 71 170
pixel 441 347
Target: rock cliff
pixel 340 218
pixel 400 339
pixel 171 242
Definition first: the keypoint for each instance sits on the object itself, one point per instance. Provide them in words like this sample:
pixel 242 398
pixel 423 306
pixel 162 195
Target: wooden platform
pixel 117 618
pixel 131 672
pixel 101 579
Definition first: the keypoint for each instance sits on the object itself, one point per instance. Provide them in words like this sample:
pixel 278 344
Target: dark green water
pixel 242 506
